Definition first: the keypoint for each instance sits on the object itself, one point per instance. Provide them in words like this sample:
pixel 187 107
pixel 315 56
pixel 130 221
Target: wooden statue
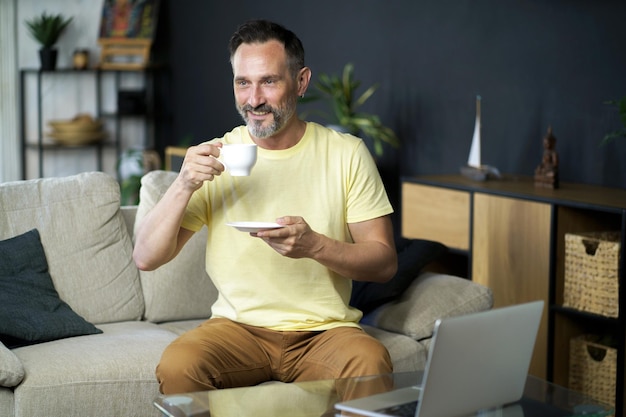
pixel 547 173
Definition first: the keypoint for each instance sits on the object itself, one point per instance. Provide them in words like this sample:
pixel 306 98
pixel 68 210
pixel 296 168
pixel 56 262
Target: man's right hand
pixel 201 164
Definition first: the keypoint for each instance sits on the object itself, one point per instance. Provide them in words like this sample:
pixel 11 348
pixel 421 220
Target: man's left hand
pixel 295 240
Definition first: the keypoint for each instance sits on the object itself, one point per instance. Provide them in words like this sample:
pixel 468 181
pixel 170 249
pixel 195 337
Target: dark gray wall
pixel 534 62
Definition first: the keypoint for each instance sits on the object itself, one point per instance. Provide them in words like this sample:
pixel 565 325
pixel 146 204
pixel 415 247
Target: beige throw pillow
pixel 430 297
pixel 86 241
pixel 180 289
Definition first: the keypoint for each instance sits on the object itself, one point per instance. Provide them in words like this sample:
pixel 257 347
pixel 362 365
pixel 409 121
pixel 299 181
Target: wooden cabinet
pixel 513 234
pixel 451 209
pixel 510 255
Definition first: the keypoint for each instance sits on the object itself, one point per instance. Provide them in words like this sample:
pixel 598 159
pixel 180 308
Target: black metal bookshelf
pixel 145 96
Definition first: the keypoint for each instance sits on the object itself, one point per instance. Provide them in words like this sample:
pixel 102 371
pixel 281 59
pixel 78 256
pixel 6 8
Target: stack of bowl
pixel 78 131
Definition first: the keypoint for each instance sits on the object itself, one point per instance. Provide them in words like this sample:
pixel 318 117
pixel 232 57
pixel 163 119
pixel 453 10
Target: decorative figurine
pixel 547 173
pixel 80 60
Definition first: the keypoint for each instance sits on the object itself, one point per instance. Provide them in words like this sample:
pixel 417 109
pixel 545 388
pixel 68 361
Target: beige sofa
pixel 87 239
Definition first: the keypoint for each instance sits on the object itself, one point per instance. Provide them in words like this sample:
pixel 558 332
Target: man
pixel 282 311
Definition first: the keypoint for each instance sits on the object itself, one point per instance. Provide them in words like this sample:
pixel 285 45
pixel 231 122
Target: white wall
pixel 9 150
pixel 65 95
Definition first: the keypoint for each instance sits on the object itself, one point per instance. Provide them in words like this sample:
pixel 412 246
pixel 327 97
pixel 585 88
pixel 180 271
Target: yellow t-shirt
pixel 329 179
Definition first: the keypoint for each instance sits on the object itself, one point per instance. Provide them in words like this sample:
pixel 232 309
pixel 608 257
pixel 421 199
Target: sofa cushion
pixel 180 289
pixel 86 242
pixel 413 256
pixel 407 355
pixel 109 374
pixel 430 297
pixel 181 326
pixel 11 368
pixel 30 308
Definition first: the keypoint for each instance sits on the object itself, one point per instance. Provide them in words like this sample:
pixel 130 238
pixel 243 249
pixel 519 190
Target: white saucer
pixel 253 227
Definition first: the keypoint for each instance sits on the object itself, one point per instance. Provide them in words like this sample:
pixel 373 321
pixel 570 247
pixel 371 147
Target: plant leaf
pixel 47 28
pixel 365 96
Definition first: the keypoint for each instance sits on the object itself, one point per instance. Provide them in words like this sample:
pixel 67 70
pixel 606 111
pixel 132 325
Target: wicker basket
pixel 592 368
pixel 591 263
pixel 79 131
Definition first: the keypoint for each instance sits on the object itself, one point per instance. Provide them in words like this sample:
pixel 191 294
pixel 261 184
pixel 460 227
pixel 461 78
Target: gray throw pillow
pixel 30 308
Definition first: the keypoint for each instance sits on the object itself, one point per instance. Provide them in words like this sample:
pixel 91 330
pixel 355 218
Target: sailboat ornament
pixel 474 169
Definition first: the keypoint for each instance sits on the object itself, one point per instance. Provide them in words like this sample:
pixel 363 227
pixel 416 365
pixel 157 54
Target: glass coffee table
pixel 317 398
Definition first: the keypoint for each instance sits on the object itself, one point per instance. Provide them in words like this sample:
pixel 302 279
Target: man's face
pixel 265 91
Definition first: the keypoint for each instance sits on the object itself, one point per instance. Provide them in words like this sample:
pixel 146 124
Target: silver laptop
pixel 476 362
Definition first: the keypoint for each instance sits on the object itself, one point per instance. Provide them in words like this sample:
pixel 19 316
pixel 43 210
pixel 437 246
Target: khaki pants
pixel 223 354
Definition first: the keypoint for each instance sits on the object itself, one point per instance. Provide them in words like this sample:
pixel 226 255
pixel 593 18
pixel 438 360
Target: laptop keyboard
pixel 400 410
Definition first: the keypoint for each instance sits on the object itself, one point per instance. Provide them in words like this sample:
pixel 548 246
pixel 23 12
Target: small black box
pixel 131 102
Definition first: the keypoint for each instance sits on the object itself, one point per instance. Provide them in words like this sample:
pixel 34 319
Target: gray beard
pixel 257 129
pixel 281 116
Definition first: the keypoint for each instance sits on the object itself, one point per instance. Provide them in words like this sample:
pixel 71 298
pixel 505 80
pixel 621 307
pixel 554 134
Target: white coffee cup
pixel 238 158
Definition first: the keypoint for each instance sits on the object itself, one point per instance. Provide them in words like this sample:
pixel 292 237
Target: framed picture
pixel 127 29
pixel 129 19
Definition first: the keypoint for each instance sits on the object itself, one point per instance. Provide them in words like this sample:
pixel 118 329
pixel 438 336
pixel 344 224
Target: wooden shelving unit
pixel 513 234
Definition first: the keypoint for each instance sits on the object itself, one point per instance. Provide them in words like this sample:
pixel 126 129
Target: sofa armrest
pixel 11 368
pixel 430 297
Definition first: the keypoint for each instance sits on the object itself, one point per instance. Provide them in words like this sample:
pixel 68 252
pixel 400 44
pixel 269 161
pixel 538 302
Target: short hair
pixel 261 31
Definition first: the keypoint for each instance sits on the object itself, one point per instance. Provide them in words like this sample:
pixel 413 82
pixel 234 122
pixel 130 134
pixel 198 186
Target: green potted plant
pixel 621 108
pixel 46 29
pixel 131 166
pixel 341 92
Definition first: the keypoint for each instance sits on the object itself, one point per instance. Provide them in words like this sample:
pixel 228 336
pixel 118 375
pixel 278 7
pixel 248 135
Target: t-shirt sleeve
pixel 367 197
pixel 196 214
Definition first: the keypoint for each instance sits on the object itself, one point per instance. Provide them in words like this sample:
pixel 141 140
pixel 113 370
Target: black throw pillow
pixel 413 256
pixel 30 308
